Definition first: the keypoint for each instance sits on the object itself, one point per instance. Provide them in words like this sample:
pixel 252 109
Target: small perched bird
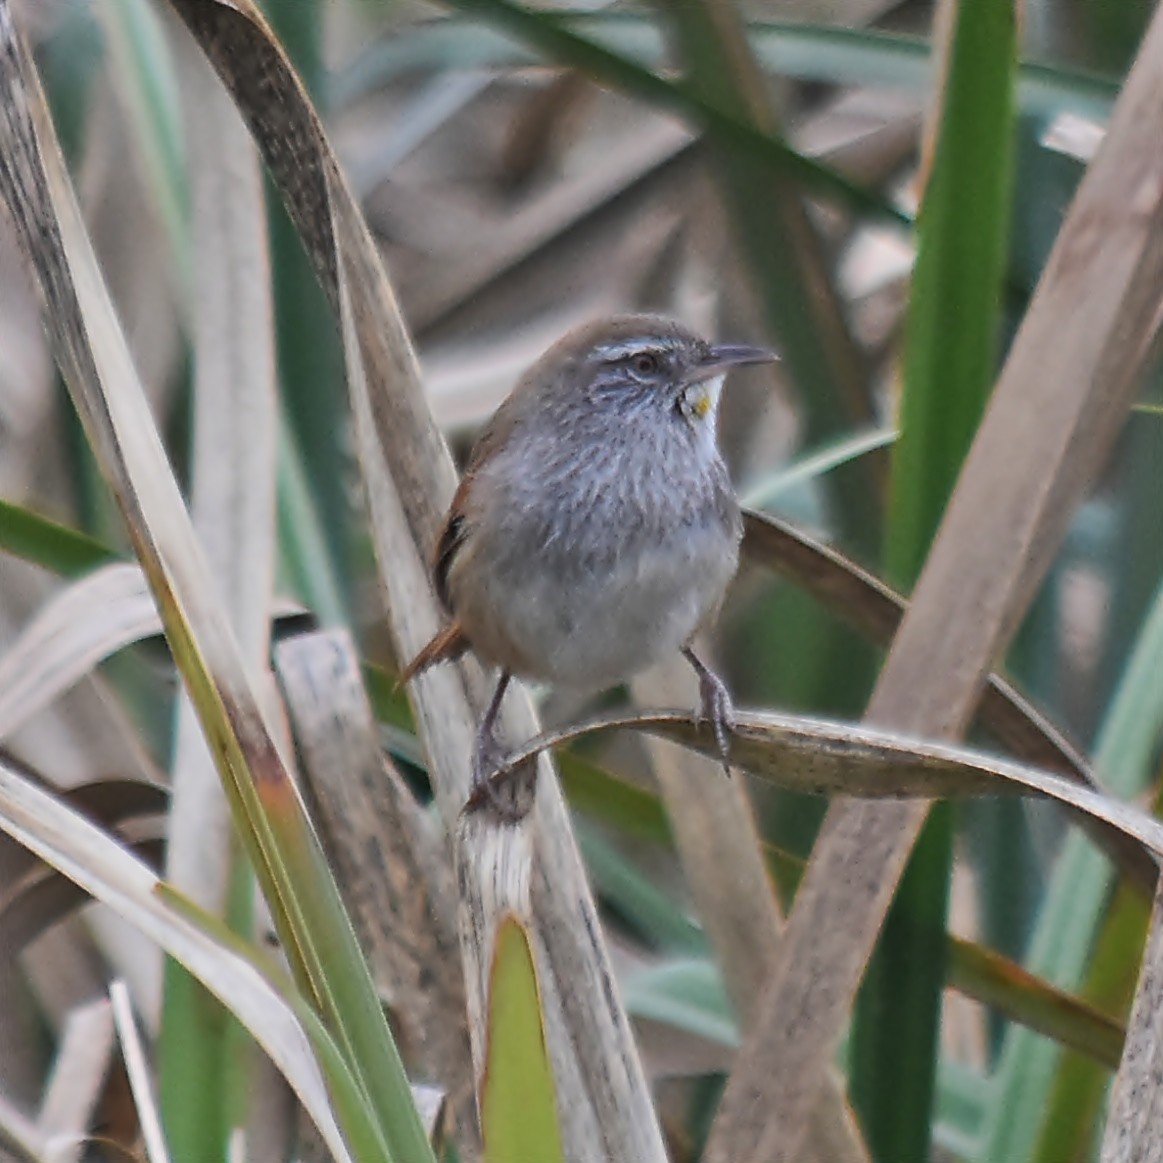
pixel 595 530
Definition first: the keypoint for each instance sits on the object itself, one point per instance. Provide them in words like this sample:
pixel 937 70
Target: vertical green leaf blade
pixel 518 1104
pixel 949 365
pixel 962 235
pixel 1063 943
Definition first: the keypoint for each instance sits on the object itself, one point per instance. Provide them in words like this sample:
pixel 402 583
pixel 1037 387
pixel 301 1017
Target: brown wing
pixel 450 642
pixel 452 537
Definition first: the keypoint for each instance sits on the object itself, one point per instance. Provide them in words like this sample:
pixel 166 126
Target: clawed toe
pixel 488 757
pixel 488 760
pixel 715 706
pixel 506 796
pixel 717 711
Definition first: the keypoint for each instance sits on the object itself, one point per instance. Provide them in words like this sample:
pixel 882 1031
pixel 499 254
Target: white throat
pixel 701 404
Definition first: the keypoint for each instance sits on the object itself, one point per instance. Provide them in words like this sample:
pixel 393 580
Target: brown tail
pixel 448 644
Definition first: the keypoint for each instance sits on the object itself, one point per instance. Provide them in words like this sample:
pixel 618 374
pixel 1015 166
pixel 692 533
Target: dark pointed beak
pixel 724 356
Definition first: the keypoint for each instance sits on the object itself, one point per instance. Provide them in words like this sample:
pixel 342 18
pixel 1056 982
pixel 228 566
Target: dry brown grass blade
pixel 36 896
pixel 43 898
pixel 390 860
pixel 876 610
pixel 721 855
pixel 594 1056
pixel 1061 399
pixel 824 757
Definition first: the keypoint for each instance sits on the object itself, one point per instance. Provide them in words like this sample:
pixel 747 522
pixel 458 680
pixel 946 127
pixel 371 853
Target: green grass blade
pixel 805 51
pixel 1064 939
pixel 310 357
pixel 345 1090
pixel 46 543
pixel 950 354
pixel 952 327
pixel 518 1102
pixel 1077 1095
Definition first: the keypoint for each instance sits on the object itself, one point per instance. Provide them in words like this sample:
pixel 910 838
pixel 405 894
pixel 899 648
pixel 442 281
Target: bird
pixel 595 529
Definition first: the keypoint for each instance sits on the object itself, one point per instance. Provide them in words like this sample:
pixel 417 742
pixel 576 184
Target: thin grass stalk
pixel 66 551
pixel 1076 1097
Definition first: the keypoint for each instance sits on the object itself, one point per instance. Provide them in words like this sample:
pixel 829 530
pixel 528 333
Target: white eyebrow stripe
pixel 634 346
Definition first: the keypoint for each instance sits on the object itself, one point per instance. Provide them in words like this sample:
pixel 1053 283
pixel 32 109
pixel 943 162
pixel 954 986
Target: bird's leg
pixel 716 703
pixel 489 753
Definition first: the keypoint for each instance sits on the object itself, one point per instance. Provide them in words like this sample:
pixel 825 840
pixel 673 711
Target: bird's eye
pixel 646 363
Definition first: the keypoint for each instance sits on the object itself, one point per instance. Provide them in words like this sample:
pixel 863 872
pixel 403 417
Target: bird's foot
pixel 716 708
pixel 487 758
pixel 489 777
pixel 494 786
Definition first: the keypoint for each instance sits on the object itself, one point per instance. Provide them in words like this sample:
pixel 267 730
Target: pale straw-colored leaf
pixel 109 873
pixel 79 627
pixel 824 757
pixel 137 1070
pixel 390 860
pixel 77 1080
